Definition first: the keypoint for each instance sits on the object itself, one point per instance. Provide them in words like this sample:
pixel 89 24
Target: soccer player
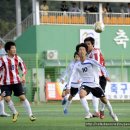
pixel 75 84
pixel 96 54
pixel 2 110
pixel 67 93
pixel 88 71
pixel 11 81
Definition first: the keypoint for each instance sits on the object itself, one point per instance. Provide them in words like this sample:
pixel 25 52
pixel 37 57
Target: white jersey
pixel 88 72
pixel 67 74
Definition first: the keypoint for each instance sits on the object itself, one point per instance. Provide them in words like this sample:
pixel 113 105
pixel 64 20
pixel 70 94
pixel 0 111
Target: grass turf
pixel 50 117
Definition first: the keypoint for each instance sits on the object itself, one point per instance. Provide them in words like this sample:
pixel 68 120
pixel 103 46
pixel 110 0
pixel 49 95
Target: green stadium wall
pixel 65 37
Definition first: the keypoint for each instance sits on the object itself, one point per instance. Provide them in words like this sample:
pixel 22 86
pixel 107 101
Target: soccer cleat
pixel 5 115
pixel 15 117
pixel 96 114
pixel 114 117
pixel 89 115
pixel 102 115
pixel 32 118
pixel 65 111
pixel 64 101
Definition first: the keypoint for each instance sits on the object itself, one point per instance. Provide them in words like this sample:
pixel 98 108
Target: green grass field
pixel 50 117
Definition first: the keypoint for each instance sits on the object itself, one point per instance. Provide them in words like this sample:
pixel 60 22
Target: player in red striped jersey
pixel 2 108
pixel 96 54
pixel 11 81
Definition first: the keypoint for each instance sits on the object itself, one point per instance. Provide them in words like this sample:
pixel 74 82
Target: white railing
pixel 26 23
pixel 59 17
pixel 116 18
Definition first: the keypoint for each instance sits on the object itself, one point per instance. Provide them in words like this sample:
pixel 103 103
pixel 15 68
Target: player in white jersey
pixel 11 81
pixel 95 53
pixel 67 93
pixel 88 71
pixel 75 84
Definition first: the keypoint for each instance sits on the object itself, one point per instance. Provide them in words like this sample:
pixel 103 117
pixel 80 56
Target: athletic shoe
pixel 102 115
pixel 15 117
pixel 5 115
pixel 114 117
pixel 96 114
pixel 64 101
pixel 32 118
pixel 65 111
pixel 89 115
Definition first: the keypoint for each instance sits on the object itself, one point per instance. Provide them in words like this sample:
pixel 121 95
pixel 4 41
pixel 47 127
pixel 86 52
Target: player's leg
pixel 83 92
pixel 102 82
pixel 98 92
pixel 73 92
pixel 109 107
pixel 6 92
pixel 19 92
pixel 2 108
pixel 27 107
pixel 95 102
pixel 65 95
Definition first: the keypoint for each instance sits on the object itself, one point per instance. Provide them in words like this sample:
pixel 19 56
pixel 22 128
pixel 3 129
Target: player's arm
pixel 65 74
pixel 24 70
pixel 103 69
pixel 74 72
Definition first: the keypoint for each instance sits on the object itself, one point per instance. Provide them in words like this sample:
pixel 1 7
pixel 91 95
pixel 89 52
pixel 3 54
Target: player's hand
pixel 23 79
pixel 108 79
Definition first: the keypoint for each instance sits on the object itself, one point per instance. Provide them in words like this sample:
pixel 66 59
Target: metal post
pixel 18 18
pixel 35 9
pixel 100 12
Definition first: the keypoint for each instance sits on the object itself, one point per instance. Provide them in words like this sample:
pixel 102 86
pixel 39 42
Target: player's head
pixel 10 48
pixel 89 41
pixel 76 56
pixel 82 50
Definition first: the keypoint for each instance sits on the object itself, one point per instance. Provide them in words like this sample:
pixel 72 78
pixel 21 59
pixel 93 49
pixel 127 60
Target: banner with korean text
pixel 114 91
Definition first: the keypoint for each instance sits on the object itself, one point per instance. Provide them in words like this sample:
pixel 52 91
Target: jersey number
pixel 85 69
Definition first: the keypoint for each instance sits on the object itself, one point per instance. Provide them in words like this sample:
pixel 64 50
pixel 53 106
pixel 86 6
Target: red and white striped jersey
pixel 10 69
pixel 97 55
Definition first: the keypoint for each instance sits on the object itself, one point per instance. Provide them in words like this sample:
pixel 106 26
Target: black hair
pixel 76 53
pixel 92 40
pixel 8 45
pixel 81 45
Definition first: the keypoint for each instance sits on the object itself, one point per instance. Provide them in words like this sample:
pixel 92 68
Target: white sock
pixel 95 102
pixel 12 107
pixel 102 106
pixel 27 107
pixel 67 104
pixel 66 97
pixel 109 107
pixel 2 108
pixel 85 104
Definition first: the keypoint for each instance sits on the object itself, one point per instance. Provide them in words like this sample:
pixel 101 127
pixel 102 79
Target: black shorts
pixel 97 92
pixel 73 91
pixel 102 82
pixel 17 89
